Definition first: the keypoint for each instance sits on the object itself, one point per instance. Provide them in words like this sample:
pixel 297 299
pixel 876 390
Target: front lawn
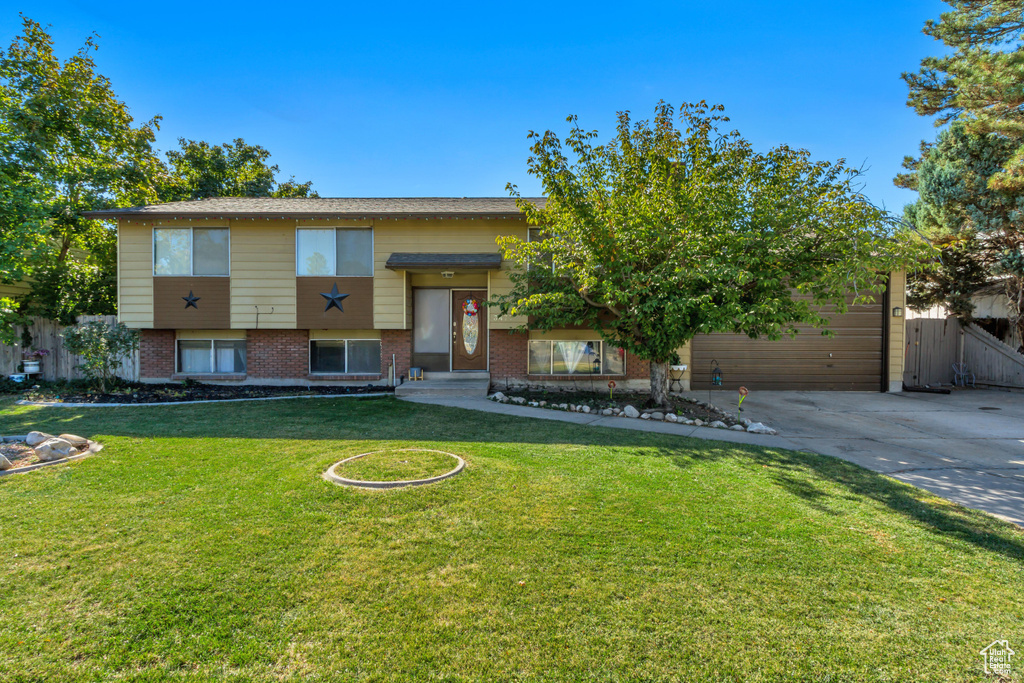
pixel 202 544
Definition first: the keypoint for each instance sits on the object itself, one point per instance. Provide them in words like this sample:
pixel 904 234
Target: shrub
pixel 103 348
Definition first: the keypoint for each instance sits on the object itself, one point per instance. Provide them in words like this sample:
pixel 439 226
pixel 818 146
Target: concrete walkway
pixel 950 445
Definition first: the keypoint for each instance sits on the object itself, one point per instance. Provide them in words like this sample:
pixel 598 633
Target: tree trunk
pixel 659 383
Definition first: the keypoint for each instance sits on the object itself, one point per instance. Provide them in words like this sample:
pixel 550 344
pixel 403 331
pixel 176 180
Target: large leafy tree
pixel 67 146
pixel 661 234
pixel 198 170
pixel 979 81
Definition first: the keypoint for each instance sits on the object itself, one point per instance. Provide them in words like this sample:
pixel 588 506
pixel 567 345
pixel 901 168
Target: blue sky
pixel 371 99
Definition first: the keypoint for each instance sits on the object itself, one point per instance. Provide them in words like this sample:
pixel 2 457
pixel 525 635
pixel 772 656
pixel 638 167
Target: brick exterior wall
pixel 399 343
pixel 156 354
pixel 508 355
pixel 277 354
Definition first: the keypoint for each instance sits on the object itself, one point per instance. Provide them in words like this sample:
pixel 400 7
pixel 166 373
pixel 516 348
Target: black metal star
pixel 334 299
pixel 191 300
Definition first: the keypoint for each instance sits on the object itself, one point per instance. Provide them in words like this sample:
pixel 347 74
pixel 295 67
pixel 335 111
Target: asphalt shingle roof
pixel 325 207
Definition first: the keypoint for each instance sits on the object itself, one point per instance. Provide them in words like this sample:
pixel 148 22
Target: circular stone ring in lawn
pixel 395 468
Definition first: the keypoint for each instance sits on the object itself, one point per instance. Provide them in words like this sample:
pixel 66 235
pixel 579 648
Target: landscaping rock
pixel 543 403
pixel 738 428
pixel 534 404
pixel 519 400
pixel 585 409
pixel 76 441
pixel 657 416
pixel 760 428
pixel 645 416
pixel 699 422
pixel 686 421
pixel 746 422
pixel 607 411
pixel 718 424
pixel 53 449
pixel 35 438
pixel 498 396
pixel 563 406
pixel 671 417
pixel 5 464
pixel 630 411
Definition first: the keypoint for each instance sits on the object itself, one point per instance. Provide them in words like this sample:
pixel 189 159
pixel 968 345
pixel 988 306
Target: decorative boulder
pixel 498 396
pixel 738 428
pixel 76 441
pixel 53 449
pixel 585 409
pixel 671 417
pixel 519 400
pixel 630 411
pixel 607 412
pixel 35 438
pixel 760 428
pixel 5 464
pixel 657 416
pixel 645 416
pixel 718 424
pixel 699 422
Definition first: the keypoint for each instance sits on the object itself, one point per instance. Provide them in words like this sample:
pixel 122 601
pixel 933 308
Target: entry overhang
pixel 459 263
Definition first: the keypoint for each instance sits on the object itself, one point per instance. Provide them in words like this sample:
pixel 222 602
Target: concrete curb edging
pixel 93 449
pixel 54 404
pixel 333 477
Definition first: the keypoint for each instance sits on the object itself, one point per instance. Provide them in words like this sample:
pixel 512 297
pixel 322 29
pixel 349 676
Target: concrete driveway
pixel 967 446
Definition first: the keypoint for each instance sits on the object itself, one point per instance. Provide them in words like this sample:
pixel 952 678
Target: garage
pixel 852 360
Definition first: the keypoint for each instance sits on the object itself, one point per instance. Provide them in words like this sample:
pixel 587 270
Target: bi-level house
pixel 323 290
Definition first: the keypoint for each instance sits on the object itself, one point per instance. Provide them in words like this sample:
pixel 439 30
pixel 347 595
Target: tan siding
pixel 135 274
pixel 14 290
pixel 430 236
pixel 499 284
pixel 897 329
pixel 263 274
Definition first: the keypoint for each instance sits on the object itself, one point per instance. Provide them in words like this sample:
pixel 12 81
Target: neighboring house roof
pixel 407 261
pixel 326 207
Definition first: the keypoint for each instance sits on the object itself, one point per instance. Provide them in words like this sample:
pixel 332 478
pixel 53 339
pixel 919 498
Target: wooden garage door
pixel 851 360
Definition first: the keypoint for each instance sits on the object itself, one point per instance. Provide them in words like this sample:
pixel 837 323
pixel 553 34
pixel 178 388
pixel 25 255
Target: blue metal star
pixel 190 300
pixel 333 299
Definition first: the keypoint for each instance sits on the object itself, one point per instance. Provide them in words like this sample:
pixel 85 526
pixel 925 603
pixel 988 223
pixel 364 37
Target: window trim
pixel 309 356
pixel 213 357
pixel 551 361
pixel 334 248
pixel 191 250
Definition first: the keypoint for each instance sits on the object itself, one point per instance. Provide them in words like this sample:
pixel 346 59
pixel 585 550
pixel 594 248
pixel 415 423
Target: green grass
pixel 397 465
pixel 202 544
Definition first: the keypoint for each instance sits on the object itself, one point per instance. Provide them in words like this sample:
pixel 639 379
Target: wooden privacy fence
pixel 992 362
pixel 933 345
pixel 59 364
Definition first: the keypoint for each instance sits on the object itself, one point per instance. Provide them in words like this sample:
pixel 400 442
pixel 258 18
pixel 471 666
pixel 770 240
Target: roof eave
pixel 253 215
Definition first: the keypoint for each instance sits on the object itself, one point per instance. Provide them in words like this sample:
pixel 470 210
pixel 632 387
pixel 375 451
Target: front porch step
pixel 457 374
pixel 444 387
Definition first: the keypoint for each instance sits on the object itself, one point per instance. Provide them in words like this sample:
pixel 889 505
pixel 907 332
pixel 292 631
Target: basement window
pixel 344 356
pixel 550 357
pixel 211 356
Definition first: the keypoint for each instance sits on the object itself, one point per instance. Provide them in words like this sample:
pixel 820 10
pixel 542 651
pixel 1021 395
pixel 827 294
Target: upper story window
pixel 342 252
pixel 191 251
